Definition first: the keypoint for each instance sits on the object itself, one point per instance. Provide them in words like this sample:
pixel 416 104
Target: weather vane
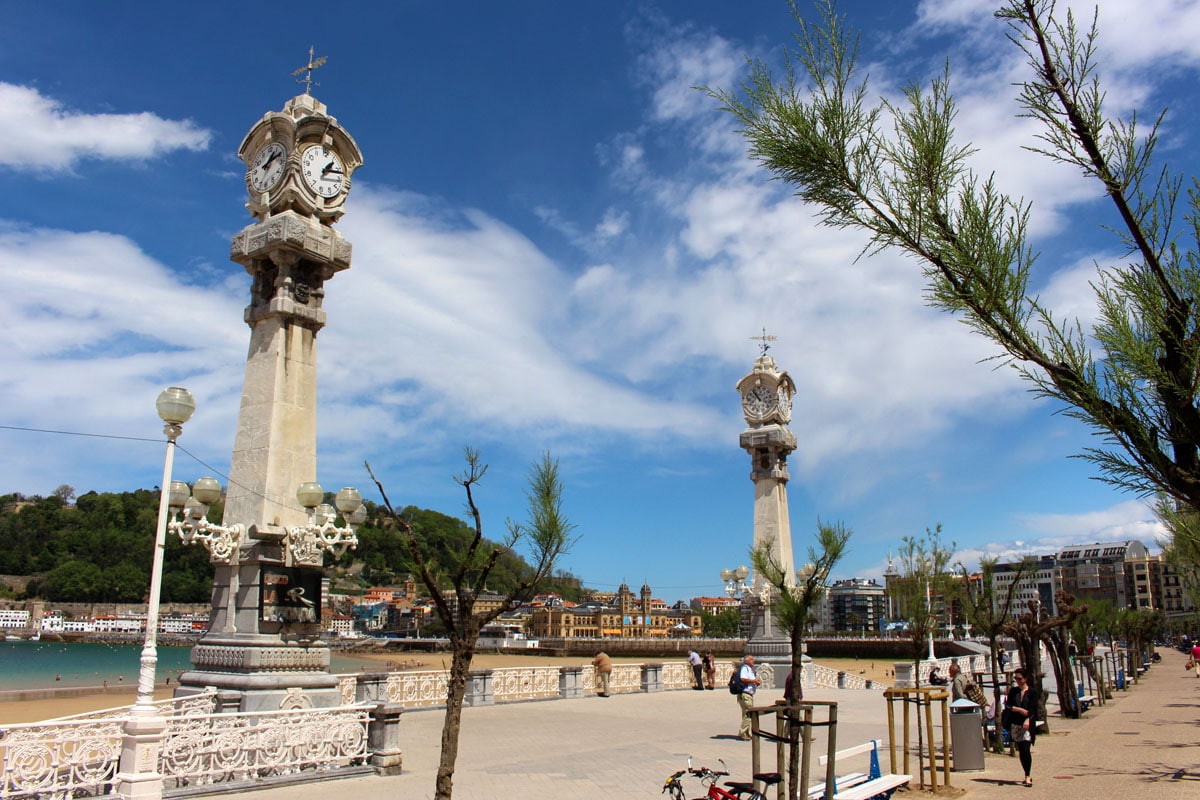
pixel 764 341
pixel 308 69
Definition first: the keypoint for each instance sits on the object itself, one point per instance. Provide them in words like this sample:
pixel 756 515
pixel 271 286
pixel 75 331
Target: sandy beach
pixel 14 712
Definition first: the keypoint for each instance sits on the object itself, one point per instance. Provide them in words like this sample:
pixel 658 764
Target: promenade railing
pixel 204 744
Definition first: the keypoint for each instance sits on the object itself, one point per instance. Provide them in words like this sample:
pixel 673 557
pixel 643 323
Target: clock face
pixel 759 400
pixel 323 170
pixel 267 167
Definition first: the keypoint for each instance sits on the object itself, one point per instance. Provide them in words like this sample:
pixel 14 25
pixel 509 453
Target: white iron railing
pixel 251 746
pixel 524 683
pixel 79 756
pixel 74 756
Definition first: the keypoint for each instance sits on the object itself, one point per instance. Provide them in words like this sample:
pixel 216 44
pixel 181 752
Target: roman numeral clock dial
pixel 323 171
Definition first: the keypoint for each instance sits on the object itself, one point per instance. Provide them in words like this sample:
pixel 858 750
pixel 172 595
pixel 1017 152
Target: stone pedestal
pixel 652 680
pixel 383 738
pixel 137 775
pixel 570 682
pixel 479 689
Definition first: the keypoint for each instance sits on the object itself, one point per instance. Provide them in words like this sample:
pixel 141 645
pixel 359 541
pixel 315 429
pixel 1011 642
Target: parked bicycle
pixel 737 790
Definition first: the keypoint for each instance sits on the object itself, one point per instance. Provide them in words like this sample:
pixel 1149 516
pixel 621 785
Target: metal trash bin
pixel 966 735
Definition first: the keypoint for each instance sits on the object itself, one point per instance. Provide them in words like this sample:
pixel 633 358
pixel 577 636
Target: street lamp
pixel 305 543
pixel 735 580
pixel 175 406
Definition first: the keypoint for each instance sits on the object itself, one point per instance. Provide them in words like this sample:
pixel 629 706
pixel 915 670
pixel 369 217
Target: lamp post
pixel 175 405
pixel 932 620
pixel 735 580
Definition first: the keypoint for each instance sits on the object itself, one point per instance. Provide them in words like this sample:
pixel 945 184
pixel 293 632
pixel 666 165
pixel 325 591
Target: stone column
pixel 371 687
pixel 652 677
pixel 137 775
pixel 570 682
pixel 383 738
pixel 479 689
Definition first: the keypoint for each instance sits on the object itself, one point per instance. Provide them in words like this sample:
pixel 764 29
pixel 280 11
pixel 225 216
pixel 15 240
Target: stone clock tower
pixel 299 162
pixel 767 406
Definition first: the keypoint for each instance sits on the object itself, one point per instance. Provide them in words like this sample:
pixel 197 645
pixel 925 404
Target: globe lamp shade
pixel 175 405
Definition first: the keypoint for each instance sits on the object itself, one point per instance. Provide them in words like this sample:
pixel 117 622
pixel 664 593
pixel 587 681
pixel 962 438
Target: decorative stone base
pixel 262 677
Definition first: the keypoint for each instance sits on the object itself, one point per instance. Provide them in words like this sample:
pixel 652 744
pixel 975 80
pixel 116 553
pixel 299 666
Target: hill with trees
pixel 98 550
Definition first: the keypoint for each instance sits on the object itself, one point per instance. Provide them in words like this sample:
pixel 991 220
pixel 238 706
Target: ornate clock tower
pixel 298 167
pixel 767 406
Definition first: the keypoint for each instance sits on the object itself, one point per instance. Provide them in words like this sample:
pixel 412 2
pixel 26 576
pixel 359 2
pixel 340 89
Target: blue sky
pixel 559 245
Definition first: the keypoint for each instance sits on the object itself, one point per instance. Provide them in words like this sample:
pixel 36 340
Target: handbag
pixel 1191 664
pixel 976 695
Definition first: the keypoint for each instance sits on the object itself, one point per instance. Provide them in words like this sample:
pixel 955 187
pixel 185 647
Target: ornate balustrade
pixel 74 756
pixel 79 756
pixel 244 747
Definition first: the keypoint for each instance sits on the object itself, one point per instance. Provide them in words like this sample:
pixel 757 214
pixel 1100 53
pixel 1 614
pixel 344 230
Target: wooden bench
pixel 856 786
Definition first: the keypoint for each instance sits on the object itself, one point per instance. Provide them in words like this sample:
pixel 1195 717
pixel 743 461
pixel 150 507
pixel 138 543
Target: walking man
pixel 603 665
pixel 697 669
pixel 750 683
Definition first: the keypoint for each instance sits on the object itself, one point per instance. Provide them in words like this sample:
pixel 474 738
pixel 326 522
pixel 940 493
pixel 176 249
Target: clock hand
pixel 274 155
pixel 329 168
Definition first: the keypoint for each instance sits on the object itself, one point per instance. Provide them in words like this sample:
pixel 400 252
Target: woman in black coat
pixel 1020 717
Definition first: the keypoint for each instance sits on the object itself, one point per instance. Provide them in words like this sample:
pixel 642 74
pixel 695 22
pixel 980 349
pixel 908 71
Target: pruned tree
pixel 925 584
pixel 793 605
pixel 546 536
pixel 899 173
pixel 989 610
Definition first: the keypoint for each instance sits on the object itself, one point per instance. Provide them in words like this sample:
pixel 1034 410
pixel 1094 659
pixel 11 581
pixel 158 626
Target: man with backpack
pixel 749 683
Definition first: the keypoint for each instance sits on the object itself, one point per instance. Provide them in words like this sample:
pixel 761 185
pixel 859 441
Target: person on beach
pixel 603 665
pixel 1020 717
pixel 750 682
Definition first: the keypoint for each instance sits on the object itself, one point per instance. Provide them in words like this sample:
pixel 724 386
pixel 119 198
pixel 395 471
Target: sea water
pixel 50 665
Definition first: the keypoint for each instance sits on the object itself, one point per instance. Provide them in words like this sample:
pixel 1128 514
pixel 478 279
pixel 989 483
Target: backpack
pixel 735 681
pixel 976 695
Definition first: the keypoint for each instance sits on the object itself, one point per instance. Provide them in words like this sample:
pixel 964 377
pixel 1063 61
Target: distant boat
pixel 503 637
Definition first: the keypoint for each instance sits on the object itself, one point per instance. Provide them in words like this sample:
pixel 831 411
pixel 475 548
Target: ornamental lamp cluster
pixel 307 541
pixel 188 507
pixel 735 580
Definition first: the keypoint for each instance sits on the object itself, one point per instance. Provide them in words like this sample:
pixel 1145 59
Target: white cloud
pixel 41 134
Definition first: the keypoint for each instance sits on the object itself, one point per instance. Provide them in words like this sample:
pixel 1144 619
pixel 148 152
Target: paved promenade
pixel 598 748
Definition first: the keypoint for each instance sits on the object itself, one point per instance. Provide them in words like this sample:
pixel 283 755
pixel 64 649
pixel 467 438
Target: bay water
pixel 50 665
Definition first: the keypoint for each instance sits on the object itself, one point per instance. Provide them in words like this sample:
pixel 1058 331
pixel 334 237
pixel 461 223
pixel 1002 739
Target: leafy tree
pixel 546 534
pixel 793 604
pixel 64 492
pixel 989 611
pixel 897 172
pixel 722 625
pixel 925 580
pixel 73 580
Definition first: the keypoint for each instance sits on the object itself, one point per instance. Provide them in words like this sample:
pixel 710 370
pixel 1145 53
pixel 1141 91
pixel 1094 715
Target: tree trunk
pixel 460 667
pixel 1064 676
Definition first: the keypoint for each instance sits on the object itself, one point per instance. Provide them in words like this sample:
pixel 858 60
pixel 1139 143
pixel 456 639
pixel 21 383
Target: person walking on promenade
pixel 697 670
pixel 1196 657
pixel 958 683
pixel 1020 717
pixel 603 666
pixel 750 683
pixel 710 671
